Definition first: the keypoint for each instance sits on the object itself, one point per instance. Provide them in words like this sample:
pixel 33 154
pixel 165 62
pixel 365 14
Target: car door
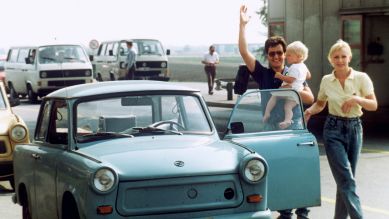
pixel 292 153
pixel 51 139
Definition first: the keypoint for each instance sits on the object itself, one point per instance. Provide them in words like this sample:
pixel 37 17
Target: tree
pixel 263 14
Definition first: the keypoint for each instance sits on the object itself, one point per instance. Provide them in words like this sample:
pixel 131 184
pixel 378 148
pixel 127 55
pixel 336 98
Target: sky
pixel 173 22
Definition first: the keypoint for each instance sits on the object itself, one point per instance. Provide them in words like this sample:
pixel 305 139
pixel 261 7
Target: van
pixel 38 70
pixel 151 60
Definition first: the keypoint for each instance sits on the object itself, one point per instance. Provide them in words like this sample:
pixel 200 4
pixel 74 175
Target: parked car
pixel 149 149
pixel 151 61
pixel 35 71
pixel 13 130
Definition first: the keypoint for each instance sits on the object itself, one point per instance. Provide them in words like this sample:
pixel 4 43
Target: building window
pixel 352 32
pixel 277 29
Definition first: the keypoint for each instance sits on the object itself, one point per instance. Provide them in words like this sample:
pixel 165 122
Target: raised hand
pixel 244 18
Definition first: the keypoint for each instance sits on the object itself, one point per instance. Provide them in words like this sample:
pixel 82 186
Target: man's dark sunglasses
pixel 272 54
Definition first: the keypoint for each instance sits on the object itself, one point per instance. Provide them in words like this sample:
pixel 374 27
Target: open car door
pixel 292 152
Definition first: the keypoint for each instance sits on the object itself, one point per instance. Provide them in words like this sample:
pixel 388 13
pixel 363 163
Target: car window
pixel 123 114
pixel 62 54
pixel 2 101
pixel 13 55
pixel 249 112
pixel 58 128
pixel 23 54
pixel 43 122
pixel 102 48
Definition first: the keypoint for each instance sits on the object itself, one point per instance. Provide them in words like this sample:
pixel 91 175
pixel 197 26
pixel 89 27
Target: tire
pixel 99 78
pixel 70 210
pixel 26 213
pixel 111 77
pixel 32 97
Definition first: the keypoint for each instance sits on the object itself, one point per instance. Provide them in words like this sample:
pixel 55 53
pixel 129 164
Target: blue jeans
pixel 343 143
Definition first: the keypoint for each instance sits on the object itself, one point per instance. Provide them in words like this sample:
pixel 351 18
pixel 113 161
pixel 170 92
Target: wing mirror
pixel 237 127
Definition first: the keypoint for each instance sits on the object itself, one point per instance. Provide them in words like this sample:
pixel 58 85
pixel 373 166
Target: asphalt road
pixel 372 173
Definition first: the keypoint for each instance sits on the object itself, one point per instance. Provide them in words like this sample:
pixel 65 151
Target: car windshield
pixel 143 115
pixel 62 54
pixel 148 47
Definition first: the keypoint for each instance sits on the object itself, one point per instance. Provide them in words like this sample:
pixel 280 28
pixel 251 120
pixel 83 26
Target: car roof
pixel 100 88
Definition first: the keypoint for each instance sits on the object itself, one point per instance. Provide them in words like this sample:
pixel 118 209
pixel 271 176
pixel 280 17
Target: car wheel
pixel 14 97
pixel 32 97
pixel 99 78
pixel 111 77
pixel 69 209
pixel 26 213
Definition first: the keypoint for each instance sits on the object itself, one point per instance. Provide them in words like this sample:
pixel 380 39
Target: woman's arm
pixel 316 108
pixel 247 57
pixel 368 103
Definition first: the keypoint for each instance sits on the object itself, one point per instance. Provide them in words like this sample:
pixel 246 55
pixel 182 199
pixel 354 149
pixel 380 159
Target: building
pixel 320 23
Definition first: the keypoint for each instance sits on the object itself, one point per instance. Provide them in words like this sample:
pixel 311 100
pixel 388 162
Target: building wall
pixel 317 23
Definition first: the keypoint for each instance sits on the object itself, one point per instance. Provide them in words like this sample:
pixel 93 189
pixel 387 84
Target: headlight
pixel 253 169
pixel 18 133
pixel 88 73
pixel 104 180
pixel 163 65
pixel 43 74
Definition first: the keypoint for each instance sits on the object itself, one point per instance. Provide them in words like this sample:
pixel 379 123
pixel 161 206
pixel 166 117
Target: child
pixel 297 73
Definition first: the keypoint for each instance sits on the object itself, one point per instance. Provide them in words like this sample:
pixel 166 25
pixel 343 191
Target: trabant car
pixel 150 149
pixel 13 130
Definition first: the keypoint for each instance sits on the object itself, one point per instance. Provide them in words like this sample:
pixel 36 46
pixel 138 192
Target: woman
pixel 347 91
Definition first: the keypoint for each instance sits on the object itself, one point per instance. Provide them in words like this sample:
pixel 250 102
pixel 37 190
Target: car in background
pixel 13 130
pixel 151 61
pixel 35 71
pixel 150 149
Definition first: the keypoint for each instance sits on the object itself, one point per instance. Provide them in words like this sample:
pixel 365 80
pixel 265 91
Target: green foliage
pixel 263 13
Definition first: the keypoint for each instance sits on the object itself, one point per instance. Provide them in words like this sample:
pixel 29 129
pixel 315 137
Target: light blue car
pixel 148 149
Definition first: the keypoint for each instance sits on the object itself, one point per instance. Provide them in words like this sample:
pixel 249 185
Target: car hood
pixel 167 156
pixel 7 120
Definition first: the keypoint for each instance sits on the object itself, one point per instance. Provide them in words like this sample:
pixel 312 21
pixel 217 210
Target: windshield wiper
pixel 72 58
pixel 48 58
pixel 150 129
pixel 101 136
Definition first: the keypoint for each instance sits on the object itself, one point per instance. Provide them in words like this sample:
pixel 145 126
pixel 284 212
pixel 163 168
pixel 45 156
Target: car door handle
pixel 308 143
pixel 36 156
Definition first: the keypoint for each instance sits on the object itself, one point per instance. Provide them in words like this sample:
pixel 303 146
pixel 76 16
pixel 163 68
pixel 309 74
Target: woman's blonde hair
pixel 298 48
pixel 340 44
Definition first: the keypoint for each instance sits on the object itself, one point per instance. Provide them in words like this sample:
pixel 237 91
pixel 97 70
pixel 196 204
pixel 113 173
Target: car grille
pixel 176 195
pixel 149 64
pixel 65 73
pixel 65 83
pixel 3 148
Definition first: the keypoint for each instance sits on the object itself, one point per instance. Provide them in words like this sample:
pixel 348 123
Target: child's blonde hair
pixel 298 48
pixel 340 44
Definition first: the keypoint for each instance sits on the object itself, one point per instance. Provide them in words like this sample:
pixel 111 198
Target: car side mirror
pixel 90 57
pixel 27 60
pixel 237 127
pixel 168 52
pixel 110 52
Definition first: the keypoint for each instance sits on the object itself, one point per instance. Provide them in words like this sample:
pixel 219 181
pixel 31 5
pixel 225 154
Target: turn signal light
pixel 254 198
pixel 104 209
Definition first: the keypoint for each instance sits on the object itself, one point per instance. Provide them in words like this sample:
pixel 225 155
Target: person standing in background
pixel 210 60
pixel 130 61
pixel 347 92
